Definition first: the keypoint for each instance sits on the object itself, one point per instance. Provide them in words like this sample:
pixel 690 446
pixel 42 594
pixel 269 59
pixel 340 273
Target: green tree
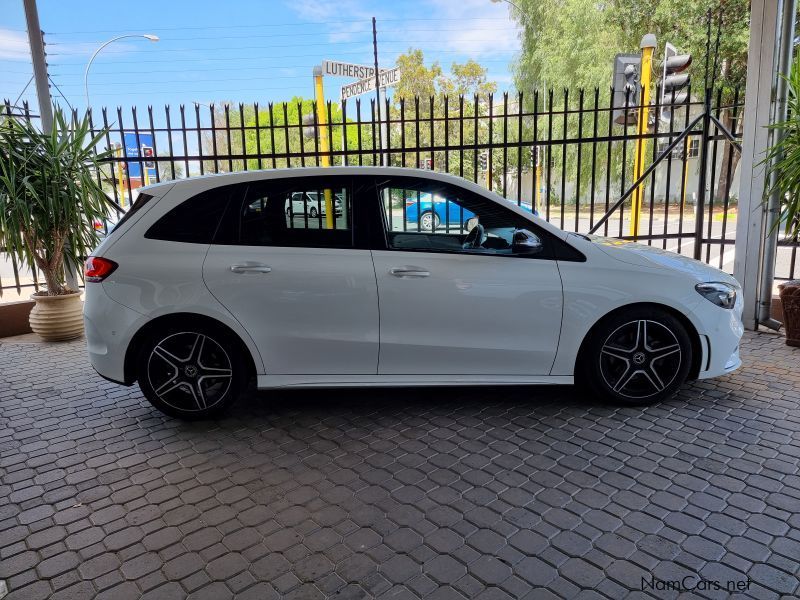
pixel 423 98
pixel 572 43
pixel 419 80
pixel 277 131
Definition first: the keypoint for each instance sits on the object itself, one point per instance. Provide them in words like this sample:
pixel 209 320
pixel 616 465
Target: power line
pixel 250 57
pixel 214 79
pixel 259 67
pixel 171 82
pixel 268 47
pixel 60 92
pixel 214 91
pixel 304 34
pixel 23 90
pixel 294 24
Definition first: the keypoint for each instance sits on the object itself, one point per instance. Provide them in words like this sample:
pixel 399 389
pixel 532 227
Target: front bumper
pixel 722 330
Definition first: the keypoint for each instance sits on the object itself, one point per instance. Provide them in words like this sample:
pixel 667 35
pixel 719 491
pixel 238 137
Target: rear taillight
pixel 98 225
pixel 410 202
pixel 97 269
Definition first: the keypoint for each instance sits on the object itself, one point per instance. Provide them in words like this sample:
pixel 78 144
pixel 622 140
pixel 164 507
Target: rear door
pixel 303 290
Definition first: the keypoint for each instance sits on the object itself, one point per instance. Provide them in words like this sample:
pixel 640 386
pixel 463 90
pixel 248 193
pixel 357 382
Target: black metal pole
pixel 701 180
pixel 377 83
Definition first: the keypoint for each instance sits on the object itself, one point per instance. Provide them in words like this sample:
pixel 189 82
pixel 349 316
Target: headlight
pixel 721 294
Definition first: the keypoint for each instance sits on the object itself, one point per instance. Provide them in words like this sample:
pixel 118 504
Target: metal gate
pixel 562 153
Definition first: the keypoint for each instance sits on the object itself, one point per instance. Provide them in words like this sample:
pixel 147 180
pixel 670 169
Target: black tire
pixel 191 372
pixel 639 356
pixel 435 219
pixel 312 212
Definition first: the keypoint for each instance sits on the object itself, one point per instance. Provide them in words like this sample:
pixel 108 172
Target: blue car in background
pixel 442 213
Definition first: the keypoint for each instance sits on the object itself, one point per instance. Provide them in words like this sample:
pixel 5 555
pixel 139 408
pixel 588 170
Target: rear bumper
pixel 108 326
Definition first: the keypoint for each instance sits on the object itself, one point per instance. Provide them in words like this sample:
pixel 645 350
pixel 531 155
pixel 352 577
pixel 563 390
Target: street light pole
pixel 147 36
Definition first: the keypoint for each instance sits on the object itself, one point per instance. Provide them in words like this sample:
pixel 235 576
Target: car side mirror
pixel 525 242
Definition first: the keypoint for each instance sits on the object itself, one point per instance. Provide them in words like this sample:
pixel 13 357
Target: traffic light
pixel 674 81
pixel 626 85
pixel 483 160
pixel 147 152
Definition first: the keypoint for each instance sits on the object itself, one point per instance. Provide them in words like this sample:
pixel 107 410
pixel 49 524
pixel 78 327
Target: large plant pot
pixel 790 303
pixel 57 318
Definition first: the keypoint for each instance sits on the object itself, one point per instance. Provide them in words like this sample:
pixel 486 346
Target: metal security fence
pixel 569 155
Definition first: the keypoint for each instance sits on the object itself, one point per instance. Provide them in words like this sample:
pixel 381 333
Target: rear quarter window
pixel 193 221
pixel 137 206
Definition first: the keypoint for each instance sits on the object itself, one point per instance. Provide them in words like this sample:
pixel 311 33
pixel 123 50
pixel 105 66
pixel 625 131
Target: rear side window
pixel 137 205
pixel 309 212
pixel 193 221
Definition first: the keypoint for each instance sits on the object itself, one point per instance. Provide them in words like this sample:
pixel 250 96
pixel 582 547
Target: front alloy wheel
pixel 637 358
pixel 428 221
pixel 190 374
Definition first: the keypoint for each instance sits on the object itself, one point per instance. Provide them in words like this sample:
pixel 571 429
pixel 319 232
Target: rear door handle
pixel 409 272
pixel 250 267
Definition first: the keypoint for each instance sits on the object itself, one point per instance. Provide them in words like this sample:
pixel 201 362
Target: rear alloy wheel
pixel 191 373
pixel 312 212
pixel 428 221
pixel 639 357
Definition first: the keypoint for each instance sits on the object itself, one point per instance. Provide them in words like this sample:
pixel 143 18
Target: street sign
pixel 337 68
pixel 387 79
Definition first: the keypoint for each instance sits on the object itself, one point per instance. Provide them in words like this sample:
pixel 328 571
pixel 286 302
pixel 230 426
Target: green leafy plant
pixel 783 159
pixel 49 195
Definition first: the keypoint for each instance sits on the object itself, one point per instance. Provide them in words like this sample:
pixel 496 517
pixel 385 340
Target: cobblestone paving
pixel 436 494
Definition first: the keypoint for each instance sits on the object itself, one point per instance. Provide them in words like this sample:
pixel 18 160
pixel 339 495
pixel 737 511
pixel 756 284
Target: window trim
pixel 553 246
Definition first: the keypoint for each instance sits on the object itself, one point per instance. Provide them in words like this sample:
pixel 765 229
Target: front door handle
pixel 409 272
pixel 250 267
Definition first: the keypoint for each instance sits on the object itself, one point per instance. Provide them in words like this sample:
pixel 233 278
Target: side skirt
pixel 311 381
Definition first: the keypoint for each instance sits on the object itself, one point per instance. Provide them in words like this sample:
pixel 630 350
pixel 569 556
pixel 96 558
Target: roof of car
pixel 213 180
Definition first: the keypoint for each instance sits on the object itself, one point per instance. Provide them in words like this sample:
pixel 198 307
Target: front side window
pixel 310 213
pixel 427 215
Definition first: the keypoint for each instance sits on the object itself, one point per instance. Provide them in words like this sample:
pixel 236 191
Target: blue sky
pixel 240 50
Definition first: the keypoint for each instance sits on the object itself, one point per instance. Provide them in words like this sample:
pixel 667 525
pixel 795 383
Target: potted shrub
pixel 783 160
pixel 49 200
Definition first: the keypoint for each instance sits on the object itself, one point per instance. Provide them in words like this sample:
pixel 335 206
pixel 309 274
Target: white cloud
pixel 488 30
pixel 350 20
pixel 14 45
pixel 315 10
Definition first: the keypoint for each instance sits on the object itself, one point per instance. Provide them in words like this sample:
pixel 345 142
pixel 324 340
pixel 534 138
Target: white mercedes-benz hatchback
pixel 208 282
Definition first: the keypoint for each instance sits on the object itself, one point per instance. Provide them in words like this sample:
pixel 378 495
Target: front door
pixel 487 301
pixel 305 294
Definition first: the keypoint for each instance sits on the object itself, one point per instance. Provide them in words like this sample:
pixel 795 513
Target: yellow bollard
pixel 325 159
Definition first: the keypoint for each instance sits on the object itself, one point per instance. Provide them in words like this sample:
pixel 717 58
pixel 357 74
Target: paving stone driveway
pixel 476 493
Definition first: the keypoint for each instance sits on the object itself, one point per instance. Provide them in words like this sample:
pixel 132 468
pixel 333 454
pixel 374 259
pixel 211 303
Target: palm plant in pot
pixel 783 170
pixel 49 200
